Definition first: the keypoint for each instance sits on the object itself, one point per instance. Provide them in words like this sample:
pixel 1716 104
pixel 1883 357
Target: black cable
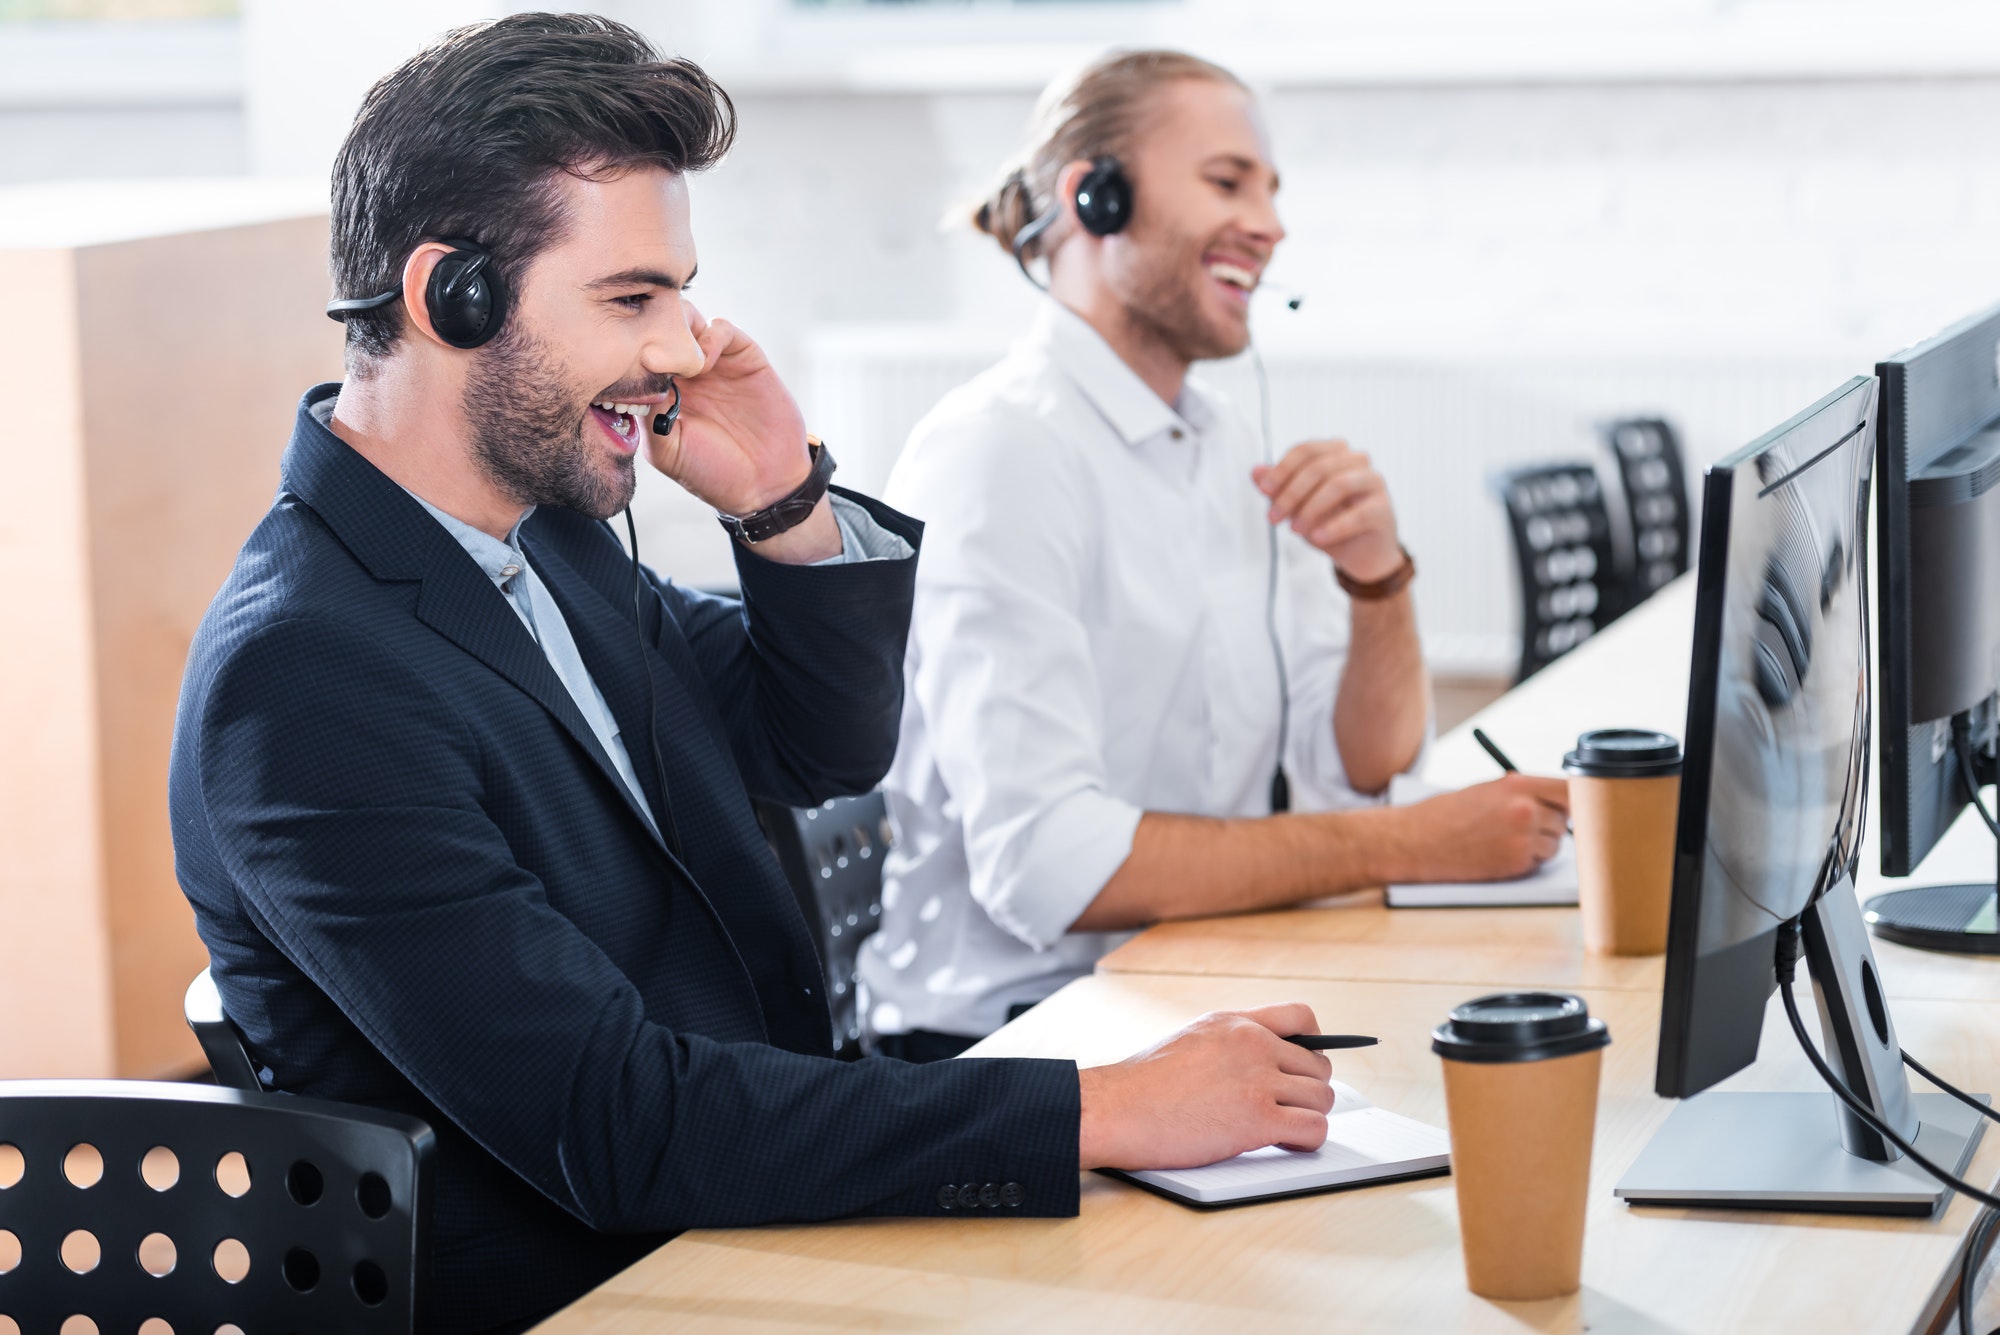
pixel 1787 967
pixel 1968 1266
pixel 1975 1245
pixel 1788 945
pixel 1281 787
pixel 672 832
pixel 1962 744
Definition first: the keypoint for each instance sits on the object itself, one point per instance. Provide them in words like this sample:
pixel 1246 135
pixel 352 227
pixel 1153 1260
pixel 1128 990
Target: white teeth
pixel 1233 274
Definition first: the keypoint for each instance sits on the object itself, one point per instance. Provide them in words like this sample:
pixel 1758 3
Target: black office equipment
pixel 132 1200
pixel 221 1041
pixel 1654 480
pixel 832 854
pixel 1562 552
pixel 1938 476
pixel 1773 801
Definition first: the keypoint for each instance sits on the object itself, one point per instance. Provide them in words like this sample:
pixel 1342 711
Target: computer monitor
pixel 1938 559
pixel 1773 796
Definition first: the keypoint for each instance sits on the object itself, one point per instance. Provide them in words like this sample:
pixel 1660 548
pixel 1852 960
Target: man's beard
pixel 1165 300
pixel 528 432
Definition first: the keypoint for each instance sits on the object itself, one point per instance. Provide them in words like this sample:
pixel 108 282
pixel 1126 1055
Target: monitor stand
pixel 1958 918
pixel 1751 1151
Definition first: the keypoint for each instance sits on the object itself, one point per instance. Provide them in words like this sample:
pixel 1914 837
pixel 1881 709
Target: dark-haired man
pixel 461 800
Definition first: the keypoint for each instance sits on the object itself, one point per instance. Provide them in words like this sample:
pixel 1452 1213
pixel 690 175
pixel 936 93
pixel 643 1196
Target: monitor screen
pixel 1940 638
pixel 1775 781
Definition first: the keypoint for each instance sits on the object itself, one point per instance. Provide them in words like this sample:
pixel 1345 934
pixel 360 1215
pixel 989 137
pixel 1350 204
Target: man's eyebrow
pixel 645 278
pixel 1241 163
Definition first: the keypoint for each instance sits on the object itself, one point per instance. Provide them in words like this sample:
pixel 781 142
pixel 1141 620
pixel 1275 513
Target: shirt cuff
pixel 861 538
pixel 1074 849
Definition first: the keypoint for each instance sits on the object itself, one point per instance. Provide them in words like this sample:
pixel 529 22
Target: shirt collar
pixel 501 560
pixel 1128 403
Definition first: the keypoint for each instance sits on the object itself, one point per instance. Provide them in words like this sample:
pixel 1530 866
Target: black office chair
pixel 221 1041
pixel 1656 504
pixel 1562 553
pixel 133 1202
pixel 832 854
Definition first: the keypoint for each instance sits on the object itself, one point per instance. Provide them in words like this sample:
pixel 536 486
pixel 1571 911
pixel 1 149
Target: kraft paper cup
pixel 1624 799
pixel 1520 1085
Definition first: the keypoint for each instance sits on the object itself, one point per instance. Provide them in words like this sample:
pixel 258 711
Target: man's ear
pixel 1067 181
pixel 416 277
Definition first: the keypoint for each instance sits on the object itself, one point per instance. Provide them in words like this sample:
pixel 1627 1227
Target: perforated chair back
pixel 1562 554
pixel 221 1041
pixel 832 855
pixel 125 1201
pixel 1650 470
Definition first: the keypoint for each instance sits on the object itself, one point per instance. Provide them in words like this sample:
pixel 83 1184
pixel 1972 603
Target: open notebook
pixel 1364 1144
pixel 1554 882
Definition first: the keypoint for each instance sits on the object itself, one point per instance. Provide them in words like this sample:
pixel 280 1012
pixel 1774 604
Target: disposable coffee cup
pixel 1520 1090
pixel 1624 796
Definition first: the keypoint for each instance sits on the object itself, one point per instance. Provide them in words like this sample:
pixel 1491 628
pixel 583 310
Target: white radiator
pixel 1436 429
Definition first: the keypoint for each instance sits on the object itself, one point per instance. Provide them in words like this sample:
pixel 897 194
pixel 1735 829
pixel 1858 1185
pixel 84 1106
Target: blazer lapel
pixel 460 603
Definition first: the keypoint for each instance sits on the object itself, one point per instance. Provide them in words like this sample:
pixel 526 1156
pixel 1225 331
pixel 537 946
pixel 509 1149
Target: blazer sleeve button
pixel 1013 1194
pixel 947 1196
pixel 968 1195
pixel 989 1196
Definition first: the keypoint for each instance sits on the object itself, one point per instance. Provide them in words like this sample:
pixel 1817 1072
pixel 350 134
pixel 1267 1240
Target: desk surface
pixel 1634 674
pixel 1382 1258
pixel 1385 1257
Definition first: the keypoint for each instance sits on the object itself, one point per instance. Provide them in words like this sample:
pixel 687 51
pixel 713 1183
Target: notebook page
pixel 1363 1142
pixel 1554 882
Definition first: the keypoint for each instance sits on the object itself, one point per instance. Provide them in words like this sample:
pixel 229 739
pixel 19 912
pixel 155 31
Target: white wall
pixel 1808 183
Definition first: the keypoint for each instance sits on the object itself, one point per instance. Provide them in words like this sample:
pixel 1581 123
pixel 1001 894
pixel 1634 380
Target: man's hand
pixel 740 442
pixel 1225 1084
pixel 1336 501
pixel 1488 832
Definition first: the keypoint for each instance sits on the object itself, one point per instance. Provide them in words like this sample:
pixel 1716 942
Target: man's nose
pixel 672 349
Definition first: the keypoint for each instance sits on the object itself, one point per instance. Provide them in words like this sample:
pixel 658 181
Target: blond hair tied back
pixel 1092 114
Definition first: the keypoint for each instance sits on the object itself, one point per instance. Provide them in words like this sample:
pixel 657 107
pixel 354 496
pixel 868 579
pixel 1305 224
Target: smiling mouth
pixel 621 420
pixel 1237 279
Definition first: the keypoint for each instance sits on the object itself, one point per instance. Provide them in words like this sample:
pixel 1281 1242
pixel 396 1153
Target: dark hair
pixel 464 141
pixel 1094 112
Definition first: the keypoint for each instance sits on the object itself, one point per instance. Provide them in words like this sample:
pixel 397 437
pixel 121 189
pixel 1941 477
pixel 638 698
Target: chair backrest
pixel 1562 552
pixel 1656 504
pixel 221 1041
pixel 134 1201
pixel 832 854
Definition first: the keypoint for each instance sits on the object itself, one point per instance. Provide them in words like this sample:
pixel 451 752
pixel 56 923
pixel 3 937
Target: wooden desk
pixel 1633 674
pixel 1383 1258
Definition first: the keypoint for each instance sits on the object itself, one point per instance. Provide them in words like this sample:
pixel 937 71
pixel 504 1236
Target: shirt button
pixel 1013 1194
pixel 947 1196
pixel 989 1196
pixel 968 1195
pixel 510 570
pixel 1177 433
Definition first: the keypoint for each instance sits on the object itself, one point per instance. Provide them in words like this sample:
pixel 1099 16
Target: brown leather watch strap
pixel 1387 587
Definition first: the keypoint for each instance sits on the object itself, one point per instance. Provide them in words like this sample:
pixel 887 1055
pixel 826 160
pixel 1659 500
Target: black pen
pixel 1321 1042
pixel 1499 756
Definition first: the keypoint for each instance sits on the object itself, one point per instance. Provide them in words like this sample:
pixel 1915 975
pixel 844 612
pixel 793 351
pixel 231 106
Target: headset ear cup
pixel 1104 198
pixel 465 298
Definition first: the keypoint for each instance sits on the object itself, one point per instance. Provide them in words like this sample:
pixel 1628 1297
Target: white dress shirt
pixel 1088 644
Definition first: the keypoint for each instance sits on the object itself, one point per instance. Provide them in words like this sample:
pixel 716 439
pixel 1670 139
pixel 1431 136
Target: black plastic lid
pixel 1624 753
pixel 1518 1027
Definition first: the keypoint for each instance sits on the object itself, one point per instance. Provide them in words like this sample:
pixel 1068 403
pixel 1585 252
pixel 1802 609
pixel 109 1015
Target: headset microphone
pixel 663 423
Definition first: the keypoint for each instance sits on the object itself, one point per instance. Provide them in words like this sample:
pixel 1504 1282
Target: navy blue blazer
pixel 423 887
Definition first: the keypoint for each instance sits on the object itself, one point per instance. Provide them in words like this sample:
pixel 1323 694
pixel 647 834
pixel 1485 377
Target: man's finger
pixel 1335 496
pixel 1304 1091
pixel 1287 1017
pixel 1294 1060
pixel 1272 478
pixel 1297 1129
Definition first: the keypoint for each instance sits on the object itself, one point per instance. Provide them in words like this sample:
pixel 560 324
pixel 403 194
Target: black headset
pixel 465 298
pixel 1103 202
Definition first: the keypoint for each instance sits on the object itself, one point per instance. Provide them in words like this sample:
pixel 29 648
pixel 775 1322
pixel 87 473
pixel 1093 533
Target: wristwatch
pixel 1388 586
pixel 790 511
